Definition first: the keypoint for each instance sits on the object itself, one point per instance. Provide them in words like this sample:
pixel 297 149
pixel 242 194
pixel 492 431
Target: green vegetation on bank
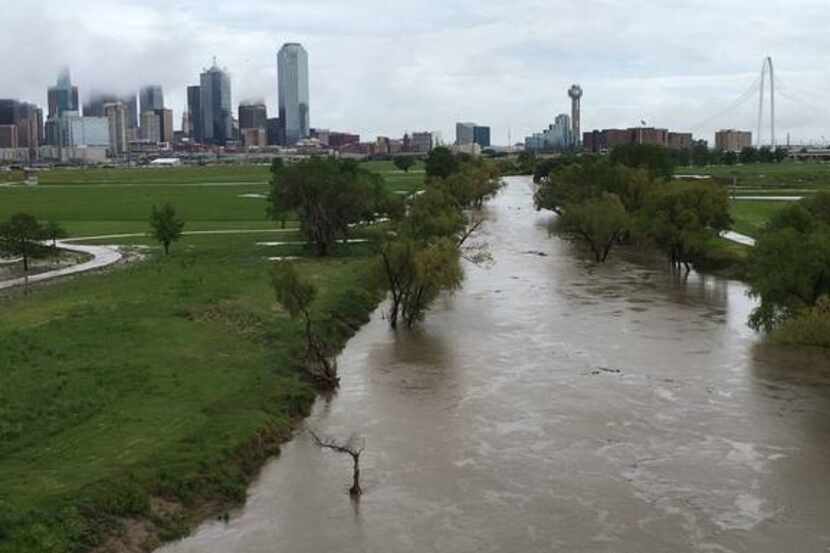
pixel 155 391
pixel 750 216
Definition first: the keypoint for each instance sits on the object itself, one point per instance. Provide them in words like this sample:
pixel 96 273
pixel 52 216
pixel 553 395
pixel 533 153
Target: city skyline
pixel 686 70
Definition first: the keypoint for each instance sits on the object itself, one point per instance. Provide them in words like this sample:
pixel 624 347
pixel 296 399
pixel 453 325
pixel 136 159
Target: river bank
pixel 137 402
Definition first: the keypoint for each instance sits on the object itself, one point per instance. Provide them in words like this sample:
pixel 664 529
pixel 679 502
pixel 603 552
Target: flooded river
pixel 552 405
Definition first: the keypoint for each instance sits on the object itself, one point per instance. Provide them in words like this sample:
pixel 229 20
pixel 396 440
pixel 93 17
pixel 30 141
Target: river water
pixel 552 405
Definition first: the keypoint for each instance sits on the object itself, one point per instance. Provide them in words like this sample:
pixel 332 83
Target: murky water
pixel 556 406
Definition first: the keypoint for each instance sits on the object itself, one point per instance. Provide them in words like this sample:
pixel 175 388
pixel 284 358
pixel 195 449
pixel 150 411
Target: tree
pixel 475 183
pixel 166 226
pixel 683 217
pixel 21 236
pixel 730 158
pixel 441 163
pixel 353 447
pixel 780 154
pixel 54 231
pixel 748 155
pixel 404 163
pixel 599 222
pixel 329 196
pixel 296 296
pixel 789 267
pixel 766 155
pixel 654 158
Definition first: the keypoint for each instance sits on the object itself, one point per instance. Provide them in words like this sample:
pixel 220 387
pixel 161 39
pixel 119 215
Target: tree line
pixel 629 197
pixel 416 243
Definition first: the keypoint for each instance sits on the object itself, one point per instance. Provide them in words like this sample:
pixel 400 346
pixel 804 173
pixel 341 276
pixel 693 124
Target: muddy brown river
pixel 552 405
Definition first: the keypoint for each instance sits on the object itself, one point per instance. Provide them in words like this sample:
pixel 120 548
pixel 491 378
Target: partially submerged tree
pixel 296 296
pixel 598 222
pixel 21 236
pixel 353 447
pixel 789 267
pixel 683 217
pixel 166 226
pixel 329 196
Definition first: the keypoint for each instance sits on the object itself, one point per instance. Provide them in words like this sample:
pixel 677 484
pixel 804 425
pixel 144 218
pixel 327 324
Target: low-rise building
pixel 731 140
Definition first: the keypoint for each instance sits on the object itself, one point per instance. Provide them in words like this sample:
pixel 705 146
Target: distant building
pixel 63 96
pixel 215 104
pixel 680 140
pixel 165 125
pixel 116 114
pixel 27 118
pixel 293 92
pixel 194 108
pixel 253 116
pixel 8 136
pixel 338 140
pixel 464 133
pixel 322 135
pixel 273 130
pixel 77 131
pixel 557 137
pixel 731 140
pixel 151 98
pixel 254 138
pixel 481 136
pixel 94 106
pixel 421 142
pixel 608 139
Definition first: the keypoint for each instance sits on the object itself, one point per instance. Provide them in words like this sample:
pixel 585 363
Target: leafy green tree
pixel 441 163
pixel 748 155
pixel 789 267
pixel 404 163
pixel 599 222
pixel 765 154
pixel 526 163
pixel 165 226
pixel 683 217
pixel 296 295
pixel 780 154
pixel 54 232
pixel 700 155
pixel 21 236
pixel 329 196
pixel 475 183
pixel 730 158
pixel 656 159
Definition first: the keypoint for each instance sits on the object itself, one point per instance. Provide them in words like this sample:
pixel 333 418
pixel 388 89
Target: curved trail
pixel 104 256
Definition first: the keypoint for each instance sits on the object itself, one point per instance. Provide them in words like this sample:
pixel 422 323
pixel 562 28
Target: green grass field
pixel 750 216
pixel 114 201
pixel 172 377
pixel 758 177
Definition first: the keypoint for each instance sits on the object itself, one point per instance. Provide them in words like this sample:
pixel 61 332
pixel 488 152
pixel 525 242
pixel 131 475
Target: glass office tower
pixel 292 88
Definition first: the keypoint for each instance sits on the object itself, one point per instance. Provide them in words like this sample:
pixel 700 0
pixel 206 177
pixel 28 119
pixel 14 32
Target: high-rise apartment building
pixel 730 140
pixel 253 115
pixel 215 104
pixel 292 92
pixel 27 118
pixel 151 98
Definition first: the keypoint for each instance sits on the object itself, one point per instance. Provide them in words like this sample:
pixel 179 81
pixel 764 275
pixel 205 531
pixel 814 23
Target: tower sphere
pixel 575 92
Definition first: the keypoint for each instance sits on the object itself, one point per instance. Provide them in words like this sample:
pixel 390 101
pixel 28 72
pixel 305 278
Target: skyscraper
pixel 292 89
pixel 253 115
pixel 151 98
pixel 194 107
pixel 215 104
pixel 116 114
pixel 94 106
pixel 63 96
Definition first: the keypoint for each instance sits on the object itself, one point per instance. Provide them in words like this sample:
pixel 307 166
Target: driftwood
pixel 353 447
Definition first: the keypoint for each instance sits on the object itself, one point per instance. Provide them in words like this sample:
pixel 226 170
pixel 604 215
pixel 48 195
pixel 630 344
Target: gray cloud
pixel 380 67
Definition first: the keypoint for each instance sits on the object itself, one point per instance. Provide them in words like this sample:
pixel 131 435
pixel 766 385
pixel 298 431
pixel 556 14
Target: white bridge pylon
pixel 767 66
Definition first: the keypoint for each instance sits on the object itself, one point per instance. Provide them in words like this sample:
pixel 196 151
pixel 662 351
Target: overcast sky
pixel 381 67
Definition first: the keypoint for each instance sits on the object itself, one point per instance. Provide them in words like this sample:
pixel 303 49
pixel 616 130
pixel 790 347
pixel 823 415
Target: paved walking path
pixel 104 256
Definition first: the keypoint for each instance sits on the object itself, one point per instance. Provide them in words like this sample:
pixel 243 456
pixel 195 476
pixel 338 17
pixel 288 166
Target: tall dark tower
pixel 575 93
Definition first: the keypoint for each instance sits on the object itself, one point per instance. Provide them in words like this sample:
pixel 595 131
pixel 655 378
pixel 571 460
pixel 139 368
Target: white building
pixel 84 131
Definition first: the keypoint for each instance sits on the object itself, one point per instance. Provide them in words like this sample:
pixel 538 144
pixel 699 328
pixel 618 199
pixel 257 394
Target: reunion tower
pixel 575 93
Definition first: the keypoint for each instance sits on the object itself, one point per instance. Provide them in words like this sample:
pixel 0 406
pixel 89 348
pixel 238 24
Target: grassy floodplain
pixel 773 178
pixel 154 391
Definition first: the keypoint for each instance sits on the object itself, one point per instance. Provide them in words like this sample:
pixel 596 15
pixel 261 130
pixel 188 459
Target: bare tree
pixel 354 446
